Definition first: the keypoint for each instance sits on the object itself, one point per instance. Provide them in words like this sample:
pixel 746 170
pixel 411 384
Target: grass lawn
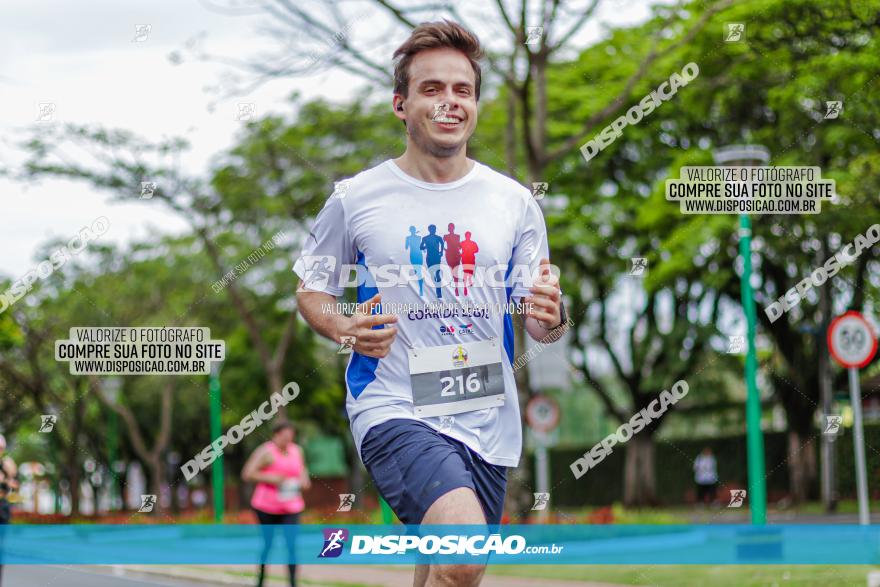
pixel 697 575
pixel 690 514
pixel 661 575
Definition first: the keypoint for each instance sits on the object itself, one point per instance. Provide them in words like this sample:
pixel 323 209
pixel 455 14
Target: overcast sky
pixel 83 58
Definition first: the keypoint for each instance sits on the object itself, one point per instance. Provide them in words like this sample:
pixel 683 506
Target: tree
pixel 808 54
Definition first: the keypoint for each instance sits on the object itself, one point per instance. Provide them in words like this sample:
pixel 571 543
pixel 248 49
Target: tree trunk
pixel 73 462
pixel 273 374
pixel 74 477
pixel 157 478
pixel 639 488
pixel 801 465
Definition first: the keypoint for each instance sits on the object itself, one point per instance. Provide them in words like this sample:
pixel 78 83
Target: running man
pixel 434 246
pixel 453 253
pixel 400 393
pixel 469 250
pixel 706 477
pixel 414 246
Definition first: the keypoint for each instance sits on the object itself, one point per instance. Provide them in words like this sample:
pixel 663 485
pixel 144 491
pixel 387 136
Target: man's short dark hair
pixel 435 35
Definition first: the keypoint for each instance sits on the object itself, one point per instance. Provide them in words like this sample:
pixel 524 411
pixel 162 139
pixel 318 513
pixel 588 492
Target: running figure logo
pixel 832 425
pixel 431 249
pixel 333 541
pixel 340 188
pixel 147 503
pixel 541 500
pixel 735 32
pixel 141 32
pixel 346 500
pixel 833 109
pixel 246 111
pixel 446 423
pixel 346 344
pixel 47 423
pixel 533 35
pixel 737 498
pixel 639 265
pixel 148 188
pixel 319 268
pixel 45 110
pixel 440 111
pixel 736 344
pixel 539 189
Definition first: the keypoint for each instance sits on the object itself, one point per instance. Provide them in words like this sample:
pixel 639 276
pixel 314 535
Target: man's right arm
pixel 312 306
pixel 331 241
pixel 368 341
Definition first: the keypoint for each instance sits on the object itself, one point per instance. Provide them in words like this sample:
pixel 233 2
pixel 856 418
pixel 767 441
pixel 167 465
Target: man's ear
pixel 399 108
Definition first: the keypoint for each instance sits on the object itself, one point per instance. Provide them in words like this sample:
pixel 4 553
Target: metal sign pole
pixel 859 442
pixel 853 344
pixel 542 466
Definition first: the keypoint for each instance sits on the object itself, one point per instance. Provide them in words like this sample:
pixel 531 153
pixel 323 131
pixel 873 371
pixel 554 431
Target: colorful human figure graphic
pixel 433 245
pixel 414 244
pixel 469 250
pixel 453 253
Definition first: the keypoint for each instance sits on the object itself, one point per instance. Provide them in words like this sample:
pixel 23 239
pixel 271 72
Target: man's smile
pixel 447 121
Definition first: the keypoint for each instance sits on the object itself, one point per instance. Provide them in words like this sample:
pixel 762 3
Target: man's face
pixel 441 109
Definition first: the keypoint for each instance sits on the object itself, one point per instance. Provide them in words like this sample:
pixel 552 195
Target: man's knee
pixel 458 575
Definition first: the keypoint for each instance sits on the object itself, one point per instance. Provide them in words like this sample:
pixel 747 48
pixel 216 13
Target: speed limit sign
pixel 851 340
pixel 853 344
pixel 542 413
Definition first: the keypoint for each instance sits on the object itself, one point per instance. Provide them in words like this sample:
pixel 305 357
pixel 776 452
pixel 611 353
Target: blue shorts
pixel 413 465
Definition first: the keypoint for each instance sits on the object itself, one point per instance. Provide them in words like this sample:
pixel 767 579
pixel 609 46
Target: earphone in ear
pixel 400 107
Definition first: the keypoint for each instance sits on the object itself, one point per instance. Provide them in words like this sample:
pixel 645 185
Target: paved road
pixel 229 576
pixel 82 576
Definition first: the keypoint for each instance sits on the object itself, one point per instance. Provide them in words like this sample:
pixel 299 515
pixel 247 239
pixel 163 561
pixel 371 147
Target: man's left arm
pixel 544 310
pixel 544 313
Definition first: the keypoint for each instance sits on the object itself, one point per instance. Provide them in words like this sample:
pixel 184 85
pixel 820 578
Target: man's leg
pixel 437 277
pixel 459 506
pixel 428 478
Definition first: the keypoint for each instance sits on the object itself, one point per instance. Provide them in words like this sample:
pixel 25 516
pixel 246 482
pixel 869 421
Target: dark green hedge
pixel 674 468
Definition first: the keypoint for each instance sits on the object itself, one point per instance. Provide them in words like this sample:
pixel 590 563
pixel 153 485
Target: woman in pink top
pixel 279 470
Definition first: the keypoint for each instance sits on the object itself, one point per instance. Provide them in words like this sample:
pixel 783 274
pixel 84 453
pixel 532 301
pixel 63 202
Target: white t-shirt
pixel 704 470
pixel 384 217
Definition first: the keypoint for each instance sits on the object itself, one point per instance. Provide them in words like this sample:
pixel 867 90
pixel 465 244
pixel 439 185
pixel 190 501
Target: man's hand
pixel 543 304
pixel 368 342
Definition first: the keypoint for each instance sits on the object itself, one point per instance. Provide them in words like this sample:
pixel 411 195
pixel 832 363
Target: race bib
pixel 288 490
pixel 456 378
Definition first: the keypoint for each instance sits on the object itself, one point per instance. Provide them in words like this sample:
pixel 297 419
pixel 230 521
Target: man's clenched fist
pixel 367 340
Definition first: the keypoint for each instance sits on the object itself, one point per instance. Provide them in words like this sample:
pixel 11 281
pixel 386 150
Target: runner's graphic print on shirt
pixel 460 255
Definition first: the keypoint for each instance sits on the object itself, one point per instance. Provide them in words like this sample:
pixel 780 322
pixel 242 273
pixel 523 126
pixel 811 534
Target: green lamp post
pixel 748 156
pixel 217 479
